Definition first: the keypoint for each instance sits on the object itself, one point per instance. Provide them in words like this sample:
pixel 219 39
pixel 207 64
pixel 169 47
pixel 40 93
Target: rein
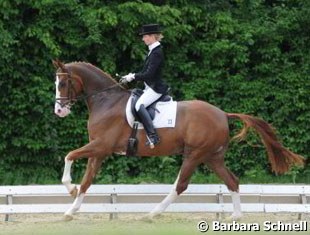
pixel 98 92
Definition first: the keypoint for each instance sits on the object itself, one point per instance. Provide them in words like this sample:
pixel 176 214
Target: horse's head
pixel 68 87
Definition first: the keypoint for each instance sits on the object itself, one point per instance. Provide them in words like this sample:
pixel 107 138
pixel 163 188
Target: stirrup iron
pixel 149 142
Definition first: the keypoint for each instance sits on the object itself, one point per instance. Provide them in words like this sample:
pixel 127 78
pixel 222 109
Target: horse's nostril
pixel 58 110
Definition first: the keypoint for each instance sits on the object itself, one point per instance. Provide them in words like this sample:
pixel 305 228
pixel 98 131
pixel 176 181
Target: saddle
pixel 136 94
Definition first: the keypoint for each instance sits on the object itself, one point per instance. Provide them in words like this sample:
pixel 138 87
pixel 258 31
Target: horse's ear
pixel 58 64
pixel 55 63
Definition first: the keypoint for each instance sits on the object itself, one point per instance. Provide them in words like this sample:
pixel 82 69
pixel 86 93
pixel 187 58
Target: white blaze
pixel 60 111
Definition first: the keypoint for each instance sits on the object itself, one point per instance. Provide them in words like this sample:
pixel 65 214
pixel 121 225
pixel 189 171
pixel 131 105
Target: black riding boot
pixel 147 122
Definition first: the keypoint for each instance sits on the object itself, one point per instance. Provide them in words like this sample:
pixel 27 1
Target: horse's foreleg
pixel 92 150
pixel 93 166
pixel 74 207
pixel 66 178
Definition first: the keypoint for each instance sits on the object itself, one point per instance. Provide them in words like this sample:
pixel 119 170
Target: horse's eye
pixel 61 85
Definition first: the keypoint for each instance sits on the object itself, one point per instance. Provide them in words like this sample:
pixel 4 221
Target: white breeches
pixel 147 98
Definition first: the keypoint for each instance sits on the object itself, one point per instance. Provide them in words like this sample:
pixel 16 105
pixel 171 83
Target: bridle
pixel 72 98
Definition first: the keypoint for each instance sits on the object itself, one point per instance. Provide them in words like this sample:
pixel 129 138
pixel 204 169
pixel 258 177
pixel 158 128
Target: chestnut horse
pixel 201 134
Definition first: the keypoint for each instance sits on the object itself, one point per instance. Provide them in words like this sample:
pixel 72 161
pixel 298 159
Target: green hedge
pixel 246 56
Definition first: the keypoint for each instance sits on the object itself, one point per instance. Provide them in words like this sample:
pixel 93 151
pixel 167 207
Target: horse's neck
pixel 103 93
pixel 96 85
pixel 105 103
pixel 93 79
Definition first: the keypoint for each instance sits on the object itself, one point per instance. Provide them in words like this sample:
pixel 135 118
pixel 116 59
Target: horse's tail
pixel 280 158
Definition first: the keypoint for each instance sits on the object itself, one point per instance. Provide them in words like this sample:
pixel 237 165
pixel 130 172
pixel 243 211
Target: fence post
pixel 113 201
pixel 303 200
pixel 9 201
pixel 220 200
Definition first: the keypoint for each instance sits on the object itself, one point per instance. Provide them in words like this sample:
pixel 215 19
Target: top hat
pixel 150 29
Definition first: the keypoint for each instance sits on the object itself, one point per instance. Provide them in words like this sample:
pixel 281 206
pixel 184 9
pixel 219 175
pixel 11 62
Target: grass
pixel 168 224
pixel 94 225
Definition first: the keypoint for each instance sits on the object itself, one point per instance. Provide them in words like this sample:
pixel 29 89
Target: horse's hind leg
pixel 180 185
pixel 231 181
pixel 170 198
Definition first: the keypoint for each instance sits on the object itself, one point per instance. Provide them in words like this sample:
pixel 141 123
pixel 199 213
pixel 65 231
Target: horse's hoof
pixel 74 192
pixel 67 217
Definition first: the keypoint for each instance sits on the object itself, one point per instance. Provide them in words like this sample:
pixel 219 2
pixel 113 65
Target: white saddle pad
pixel 164 118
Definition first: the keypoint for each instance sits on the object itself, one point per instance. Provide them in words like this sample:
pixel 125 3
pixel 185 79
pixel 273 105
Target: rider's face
pixel 148 39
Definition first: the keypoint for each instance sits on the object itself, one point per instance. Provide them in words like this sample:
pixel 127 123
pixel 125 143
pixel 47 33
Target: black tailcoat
pixel 151 72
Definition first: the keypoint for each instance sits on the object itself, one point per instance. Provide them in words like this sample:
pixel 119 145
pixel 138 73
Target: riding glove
pixel 129 77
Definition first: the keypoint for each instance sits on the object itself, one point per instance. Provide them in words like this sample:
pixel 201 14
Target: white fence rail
pixel 139 198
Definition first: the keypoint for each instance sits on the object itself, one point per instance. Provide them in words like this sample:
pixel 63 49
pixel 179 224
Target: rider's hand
pixel 128 78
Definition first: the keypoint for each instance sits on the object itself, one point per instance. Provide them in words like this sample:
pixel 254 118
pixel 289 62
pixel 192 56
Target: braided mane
pixel 93 67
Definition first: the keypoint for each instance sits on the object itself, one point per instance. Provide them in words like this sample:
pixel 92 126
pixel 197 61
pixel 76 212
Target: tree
pixel 243 56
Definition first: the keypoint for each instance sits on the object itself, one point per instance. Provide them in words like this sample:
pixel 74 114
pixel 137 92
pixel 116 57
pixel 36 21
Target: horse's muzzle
pixel 61 111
